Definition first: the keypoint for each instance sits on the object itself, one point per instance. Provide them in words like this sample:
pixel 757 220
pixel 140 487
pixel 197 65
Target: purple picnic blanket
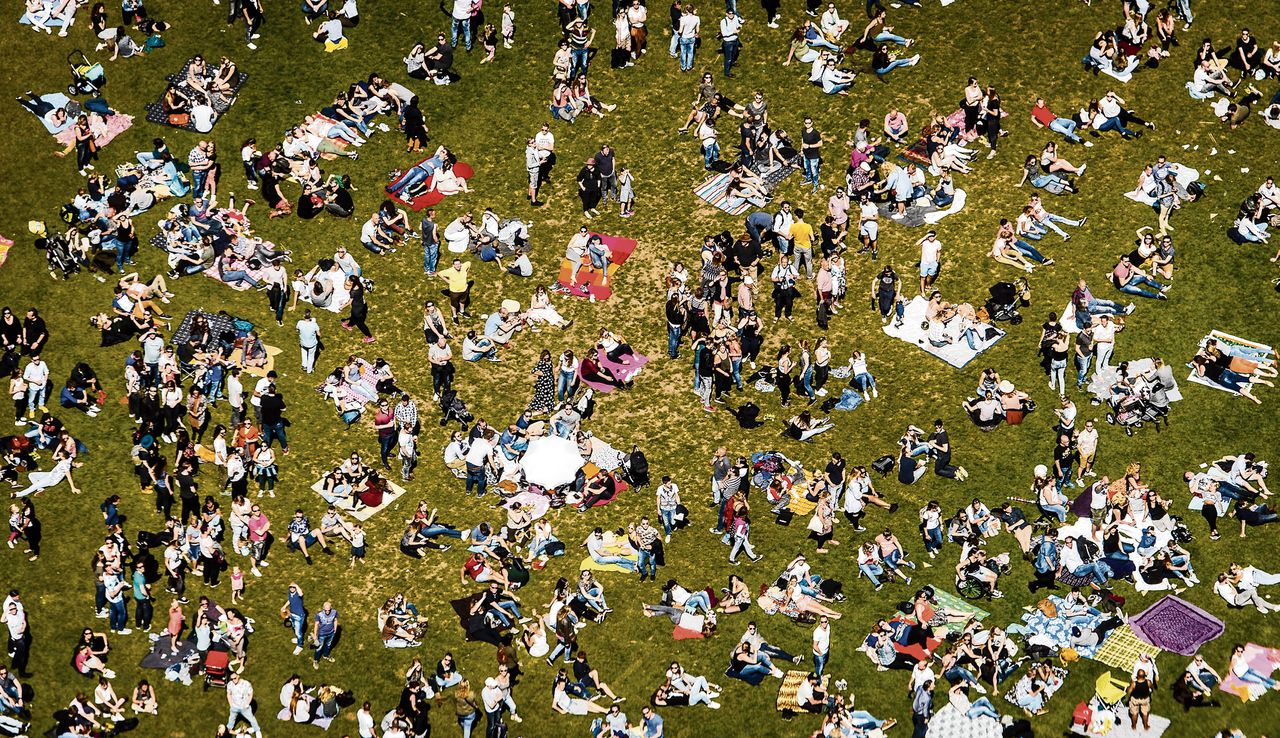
pixel 623 372
pixel 1174 624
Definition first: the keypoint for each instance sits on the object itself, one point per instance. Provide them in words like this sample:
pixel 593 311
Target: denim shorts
pixel 928 269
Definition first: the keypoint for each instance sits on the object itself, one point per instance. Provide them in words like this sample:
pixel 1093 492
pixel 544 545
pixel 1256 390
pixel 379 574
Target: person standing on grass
pixel 811 151
pixel 308 340
pixel 323 632
pixel 430 243
pixel 688 31
pixel 240 693
pixel 296 609
pixel 930 259
pixel 921 709
pixel 607 173
pixel 359 308
pixel 730 27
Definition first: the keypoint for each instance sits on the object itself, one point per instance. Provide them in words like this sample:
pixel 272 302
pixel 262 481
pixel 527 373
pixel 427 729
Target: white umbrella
pixel 551 461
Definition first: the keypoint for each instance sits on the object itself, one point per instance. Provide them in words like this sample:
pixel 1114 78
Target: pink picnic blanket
pixel 624 372
pixel 1262 660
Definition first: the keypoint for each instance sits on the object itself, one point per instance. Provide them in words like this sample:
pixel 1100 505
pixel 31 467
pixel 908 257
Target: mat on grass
pixel 715 191
pixel 1123 729
pixel 1235 346
pixel 1184 175
pixel 392 494
pixel 957 353
pixel 364 391
pixel 791 685
pixel 1173 624
pixel 590 564
pixel 949 722
pixel 589 282
pixel 219 325
pixel 427 199
pixel 1122 648
pixel 155 110
pixel 1260 659
pixel 948 601
pixel 1022 688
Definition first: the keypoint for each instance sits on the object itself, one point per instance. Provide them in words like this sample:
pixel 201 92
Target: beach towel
pixel 1173 624
pixel 958 353
pixel 1259 658
pixel 365 389
pixel 791 685
pixel 957 204
pixel 5 245
pixel 1023 686
pixel 1053 632
pixel 286 716
pixel 1123 729
pixel 57 100
pixel 949 601
pixel 347 506
pixel 1184 175
pixel 715 190
pixel 427 199
pixel 1235 346
pixel 589 564
pixel 625 372
pixel 588 283
pixel 950 723
pixel 1121 649
pixel 237 358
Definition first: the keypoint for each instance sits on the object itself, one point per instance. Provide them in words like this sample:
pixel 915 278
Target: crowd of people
pixel 208 434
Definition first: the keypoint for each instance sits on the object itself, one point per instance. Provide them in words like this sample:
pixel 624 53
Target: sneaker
pixel 297 650
pixel 124 632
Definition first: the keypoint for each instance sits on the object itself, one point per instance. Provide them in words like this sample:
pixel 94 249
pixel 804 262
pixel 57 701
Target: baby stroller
pixel 453 408
pixel 59 253
pixel 87 78
pixel 1132 411
pixel 1006 298
pixel 216 669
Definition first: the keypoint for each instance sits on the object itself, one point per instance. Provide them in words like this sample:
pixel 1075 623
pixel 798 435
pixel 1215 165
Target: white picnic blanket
pixel 1184 175
pixel 957 353
pixel 949 723
pixel 957 204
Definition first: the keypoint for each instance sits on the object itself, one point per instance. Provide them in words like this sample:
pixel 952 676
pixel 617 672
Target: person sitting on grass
pixel 302 535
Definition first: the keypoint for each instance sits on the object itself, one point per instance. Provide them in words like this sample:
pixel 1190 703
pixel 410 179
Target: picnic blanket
pixel 533 503
pixel 1262 660
pixel 427 199
pixel 1184 175
pixel 1123 729
pixel 623 372
pixel 1235 346
pixel 474 625
pixel 957 353
pixel 1121 649
pixel 715 190
pixel 791 685
pixel 590 564
pixel 588 284
pixel 1100 383
pixel 1173 624
pixel 1055 632
pixel 922 211
pixel 363 391
pixel 286 716
pixel 104 130
pixel 155 110
pixel 950 723
pixel 393 493
pixel 1023 687
pixel 219 324
pixel 948 601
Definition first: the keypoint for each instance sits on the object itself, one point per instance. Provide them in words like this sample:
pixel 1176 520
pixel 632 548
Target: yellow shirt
pixel 456 278
pixel 802 235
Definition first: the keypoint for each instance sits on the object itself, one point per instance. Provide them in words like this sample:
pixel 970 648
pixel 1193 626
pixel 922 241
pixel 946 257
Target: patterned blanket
pixel 1174 624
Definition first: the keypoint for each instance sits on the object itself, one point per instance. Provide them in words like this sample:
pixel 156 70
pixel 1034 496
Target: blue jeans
pixel 431 531
pixel 627 564
pixel 1137 282
pixel 476 478
pixel 686 53
pixel 982 706
pixel 1029 251
pixel 466 722
pixel 1066 127
pixel 710 154
pixel 247 714
pixel 465 25
pixel 324 645
pixel 198 180
pixel 578 61
pixel 698 599
pixel 872 572
pixel 751 670
pixel 957 674
pixel 35 398
pixel 648 565
pixel 886 36
pixel 1097 572
pixel 1058 511
pixel 1114 124
pixel 811 170
pixel 864 381
pixel 412 178
pixel 272 432
pixel 820 662
pixel 933 539
pixel 895 64
pixel 1082 369
pixel 564 385
pixel 673 341
pixel 299 625
pixel 430 257
pixel 730 54
pixel 1184 9
pixel 118 616
pixel 668 518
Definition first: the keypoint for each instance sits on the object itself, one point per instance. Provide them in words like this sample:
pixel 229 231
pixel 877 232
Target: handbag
pixel 179 119
pixel 815 524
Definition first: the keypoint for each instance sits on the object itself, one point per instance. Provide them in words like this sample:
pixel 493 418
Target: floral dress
pixel 544 388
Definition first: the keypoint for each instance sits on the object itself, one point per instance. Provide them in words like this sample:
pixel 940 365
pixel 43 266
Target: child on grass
pixel 489 40
pixel 237 584
pixel 357 544
pixel 508 26
pixel 626 195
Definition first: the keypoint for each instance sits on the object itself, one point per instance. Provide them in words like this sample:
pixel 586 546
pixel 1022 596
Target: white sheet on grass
pixel 1184 175
pixel 393 494
pixel 957 354
pixel 1226 341
pixel 1100 383
pixel 949 723
pixel 957 204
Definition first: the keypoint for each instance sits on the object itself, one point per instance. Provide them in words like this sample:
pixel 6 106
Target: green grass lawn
pixel 1025 49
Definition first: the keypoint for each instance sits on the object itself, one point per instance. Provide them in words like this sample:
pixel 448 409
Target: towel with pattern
pixel 954 603
pixel 1021 695
pixel 1121 649
pixel 1174 624
pixel 1053 632
pixel 791 685
pixel 1237 347
pixel 1260 659
pixel 949 722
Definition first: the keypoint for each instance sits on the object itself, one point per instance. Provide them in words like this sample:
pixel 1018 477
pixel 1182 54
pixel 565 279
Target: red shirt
pixel 1043 115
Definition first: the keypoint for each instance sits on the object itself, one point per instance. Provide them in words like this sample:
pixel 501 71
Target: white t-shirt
pixel 1104 333
pixel 259 389
pixel 689 25
pixel 333 29
pixel 930 250
pixel 479 452
pixel 461 9
pixel 821 640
